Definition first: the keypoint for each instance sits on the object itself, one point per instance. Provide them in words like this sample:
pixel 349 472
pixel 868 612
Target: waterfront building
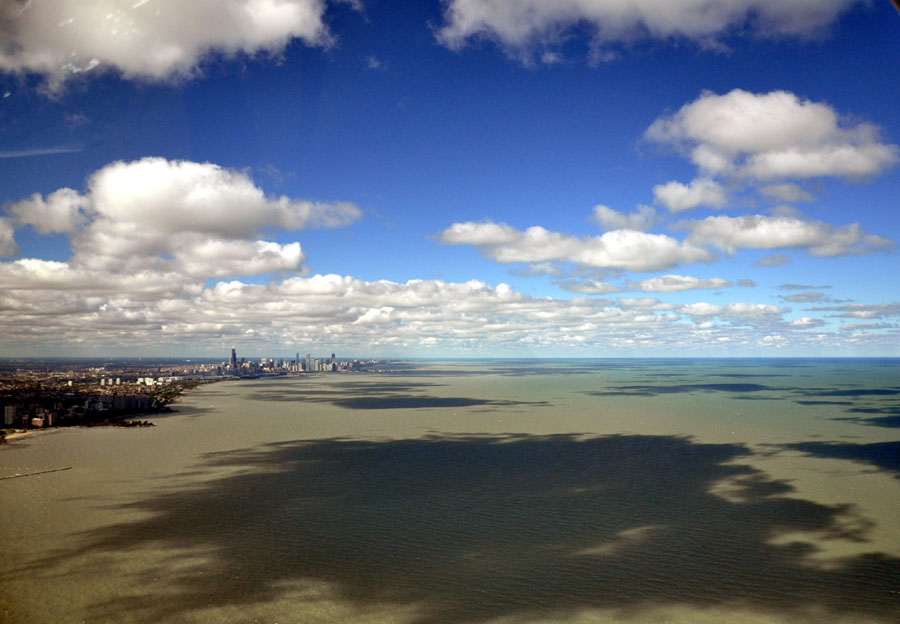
pixel 10 415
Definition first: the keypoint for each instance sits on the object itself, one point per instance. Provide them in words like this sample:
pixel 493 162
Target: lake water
pixel 474 491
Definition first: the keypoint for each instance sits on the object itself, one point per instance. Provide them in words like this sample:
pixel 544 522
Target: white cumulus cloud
pixel 678 283
pixel 589 287
pixel 62 212
pixel 8 246
pixel 772 136
pixel 779 232
pixel 700 192
pixel 609 219
pixel 528 28
pixel 183 220
pixel 154 40
pixel 617 249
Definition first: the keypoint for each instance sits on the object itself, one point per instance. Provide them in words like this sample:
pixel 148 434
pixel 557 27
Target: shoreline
pixel 118 422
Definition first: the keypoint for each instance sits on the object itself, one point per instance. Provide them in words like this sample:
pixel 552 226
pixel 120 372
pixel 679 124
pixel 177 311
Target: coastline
pixel 120 421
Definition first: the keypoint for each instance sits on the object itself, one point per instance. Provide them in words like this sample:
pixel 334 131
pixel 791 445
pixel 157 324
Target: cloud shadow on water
pixel 881 455
pixel 473 528
pixel 655 390
pixel 371 396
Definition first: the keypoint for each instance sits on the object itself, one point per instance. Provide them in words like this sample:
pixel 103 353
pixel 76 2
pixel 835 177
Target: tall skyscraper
pixel 233 363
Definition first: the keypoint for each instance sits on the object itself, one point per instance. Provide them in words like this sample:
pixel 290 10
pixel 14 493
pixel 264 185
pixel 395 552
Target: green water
pixel 495 491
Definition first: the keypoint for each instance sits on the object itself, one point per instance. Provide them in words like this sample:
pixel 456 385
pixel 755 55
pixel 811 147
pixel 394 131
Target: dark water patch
pixel 814 402
pixel 347 387
pixel 855 392
pixel 891 422
pixel 882 455
pixel 419 402
pixel 892 409
pixel 380 397
pixel 655 390
pixel 665 375
pixel 750 375
pixel 475 528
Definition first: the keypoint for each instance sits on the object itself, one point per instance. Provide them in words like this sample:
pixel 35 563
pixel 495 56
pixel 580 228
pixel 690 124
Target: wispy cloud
pixel 43 151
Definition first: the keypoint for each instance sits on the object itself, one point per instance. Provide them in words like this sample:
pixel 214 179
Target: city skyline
pixel 448 179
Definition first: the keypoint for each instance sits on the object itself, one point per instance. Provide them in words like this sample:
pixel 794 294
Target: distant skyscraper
pixel 233 363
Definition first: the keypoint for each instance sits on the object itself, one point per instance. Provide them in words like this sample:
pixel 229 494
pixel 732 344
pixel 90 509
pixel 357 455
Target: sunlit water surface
pixel 495 491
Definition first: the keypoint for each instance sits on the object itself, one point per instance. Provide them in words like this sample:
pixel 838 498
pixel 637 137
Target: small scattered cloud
pixel 867 326
pixel 589 287
pixel 806 322
pixel 807 297
pixel 678 283
pixel 645 303
pixel 374 63
pixel 786 192
pixel 641 220
pixel 76 120
pixel 737 310
pixel 773 261
pixel 746 283
pixel 678 197
pixel 862 311
pixel 801 287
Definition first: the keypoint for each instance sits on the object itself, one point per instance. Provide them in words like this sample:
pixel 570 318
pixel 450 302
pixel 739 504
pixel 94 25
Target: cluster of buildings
pixel 50 393
pixel 272 366
pixel 36 415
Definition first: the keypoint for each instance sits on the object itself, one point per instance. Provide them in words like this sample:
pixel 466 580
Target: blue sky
pixel 450 178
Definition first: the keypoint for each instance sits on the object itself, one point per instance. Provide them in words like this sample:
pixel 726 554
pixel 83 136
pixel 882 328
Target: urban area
pixel 36 394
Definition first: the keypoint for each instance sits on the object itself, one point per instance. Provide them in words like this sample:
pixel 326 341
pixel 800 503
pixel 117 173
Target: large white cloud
pixel 772 136
pixel 176 218
pixel 524 27
pixel 149 39
pixel 779 232
pixel 32 274
pixel 628 250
